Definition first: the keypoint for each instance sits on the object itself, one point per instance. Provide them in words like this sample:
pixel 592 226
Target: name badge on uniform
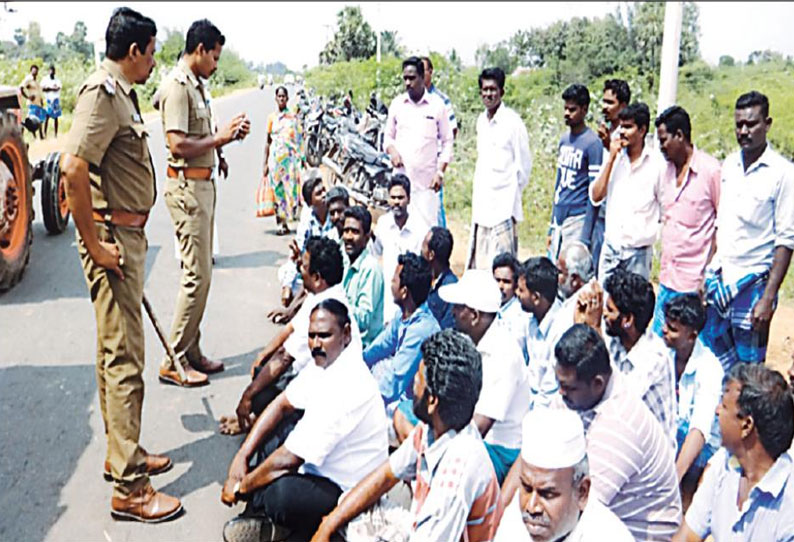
pixel 136 117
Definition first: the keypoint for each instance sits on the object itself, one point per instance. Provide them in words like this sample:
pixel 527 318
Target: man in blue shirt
pixel 395 353
pixel 578 164
pixel 436 249
pixel 747 493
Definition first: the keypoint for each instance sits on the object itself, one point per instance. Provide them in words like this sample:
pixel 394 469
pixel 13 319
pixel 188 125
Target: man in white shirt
pixel 340 437
pixel 51 87
pixel 630 184
pixel 554 501
pixel 502 172
pixel 418 123
pixel 506 269
pixel 504 398
pixel 755 238
pixel 397 232
pixel 576 270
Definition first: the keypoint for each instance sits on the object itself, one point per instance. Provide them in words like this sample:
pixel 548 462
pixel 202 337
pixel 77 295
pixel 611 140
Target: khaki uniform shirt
pixel 32 90
pixel 108 132
pixel 185 109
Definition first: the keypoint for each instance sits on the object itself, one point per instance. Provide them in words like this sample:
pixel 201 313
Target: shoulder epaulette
pixel 109 85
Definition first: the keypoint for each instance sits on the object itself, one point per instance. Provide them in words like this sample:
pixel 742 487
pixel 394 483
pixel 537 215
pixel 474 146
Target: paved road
pixel 51 437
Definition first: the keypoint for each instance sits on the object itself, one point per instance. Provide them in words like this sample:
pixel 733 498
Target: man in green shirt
pixel 363 278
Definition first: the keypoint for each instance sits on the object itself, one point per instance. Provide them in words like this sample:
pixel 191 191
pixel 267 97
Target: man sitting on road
pixel 576 270
pixel 456 490
pixel 635 350
pixel 363 278
pixel 337 200
pixel 397 232
pixel 506 269
pixel 341 437
pixel 436 249
pixel 394 354
pixel 321 269
pixel 553 500
pixel 747 493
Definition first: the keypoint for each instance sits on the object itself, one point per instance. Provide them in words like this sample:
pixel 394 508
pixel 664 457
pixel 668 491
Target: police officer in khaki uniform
pixel 190 190
pixel 110 188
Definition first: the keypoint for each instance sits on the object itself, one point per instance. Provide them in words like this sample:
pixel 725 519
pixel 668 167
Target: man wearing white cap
pixel 553 501
pixel 504 398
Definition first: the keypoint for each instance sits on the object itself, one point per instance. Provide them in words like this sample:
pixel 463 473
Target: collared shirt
pixel 689 215
pixel 440 308
pixel 453 121
pixel 391 241
pixel 363 283
pixel 415 128
pixel 632 464
pixel 504 162
pixel 650 371
pixel 456 487
pixel 297 344
pixel 756 213
pixel 542 337
pixel 397 351
pixel 184 108
pixel 108 132
pixel 516 321
pixel 595 522
pixel 504 396
pixel 633 200
pixel 765 516
pixel 309 225
pixel 343 433
pixel 699 393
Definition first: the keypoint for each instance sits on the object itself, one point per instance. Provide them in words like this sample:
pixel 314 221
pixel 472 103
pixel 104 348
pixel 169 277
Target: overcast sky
pixel 294 33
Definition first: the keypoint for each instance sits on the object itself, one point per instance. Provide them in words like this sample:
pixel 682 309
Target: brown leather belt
pixel 196 173
pixel 117 217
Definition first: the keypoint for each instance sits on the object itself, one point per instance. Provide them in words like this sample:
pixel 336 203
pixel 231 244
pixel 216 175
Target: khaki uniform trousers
pixel 120 353
pixel 191 204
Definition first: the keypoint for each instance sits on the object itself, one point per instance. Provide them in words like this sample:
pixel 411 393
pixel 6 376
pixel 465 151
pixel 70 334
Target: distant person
pixel 453 123
pixel 51 86
pixel 436 249
pixel 747 493
pixel 397 232
pixel 417 122
pixel 755 238
pixel 31 91
pixel 630 184
pixel 578 163
pixel 504 163
pixel 690 197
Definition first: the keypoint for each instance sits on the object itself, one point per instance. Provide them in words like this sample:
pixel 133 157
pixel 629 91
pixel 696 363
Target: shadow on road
pixel 259 258
pixel 237 365
pixel 43 432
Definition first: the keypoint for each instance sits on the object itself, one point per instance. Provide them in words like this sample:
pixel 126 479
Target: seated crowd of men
pixel 528 401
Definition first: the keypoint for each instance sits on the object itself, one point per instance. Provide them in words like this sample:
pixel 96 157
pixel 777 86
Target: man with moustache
pixel 504 163
pixel 110 188
pixel 190 192
pixel 340 437
pixel 554 501
pixel 578 164
pixel 337 200
pixel 417 125
pixel 755 238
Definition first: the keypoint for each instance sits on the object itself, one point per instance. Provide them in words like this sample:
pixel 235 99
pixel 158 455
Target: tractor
pixel 16 190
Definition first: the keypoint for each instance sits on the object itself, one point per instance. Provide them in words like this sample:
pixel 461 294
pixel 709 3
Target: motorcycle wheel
pixel 313 154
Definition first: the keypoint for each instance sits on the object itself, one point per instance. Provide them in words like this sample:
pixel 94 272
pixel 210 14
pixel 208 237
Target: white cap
pixel 552 438
pixel 477 289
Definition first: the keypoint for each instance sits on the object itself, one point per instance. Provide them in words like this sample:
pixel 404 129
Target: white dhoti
pixel 425 203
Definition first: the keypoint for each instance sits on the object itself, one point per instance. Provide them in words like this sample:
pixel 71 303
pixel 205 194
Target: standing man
pixel 453 123
pixel 579 162
pixel 690 196
pixel 755 237
pixel 51 86
pixel 31 90
pixel 190 189
pixel 417 122
pixel 501 174
pixel 630 184
pixel 110 188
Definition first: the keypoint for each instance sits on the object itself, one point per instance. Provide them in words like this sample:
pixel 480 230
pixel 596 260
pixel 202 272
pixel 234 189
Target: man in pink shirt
pixel 418 123
pixel 690 196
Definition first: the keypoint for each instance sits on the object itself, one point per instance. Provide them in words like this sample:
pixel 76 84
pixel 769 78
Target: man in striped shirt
pixel 632 464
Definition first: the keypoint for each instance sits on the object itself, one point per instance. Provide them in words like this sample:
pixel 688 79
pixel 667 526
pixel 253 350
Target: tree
pixel 171 47
pixel 390 44
pixel 77 41
pixel 496 56
pixel 727 60
pixel 20 37
pixel 276 68
pixel 353 38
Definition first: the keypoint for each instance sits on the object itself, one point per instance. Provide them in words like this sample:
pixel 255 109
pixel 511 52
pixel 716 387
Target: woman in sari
pixel 283 160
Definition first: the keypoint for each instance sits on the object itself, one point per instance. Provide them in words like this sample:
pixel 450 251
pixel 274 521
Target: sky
pixel 295 33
